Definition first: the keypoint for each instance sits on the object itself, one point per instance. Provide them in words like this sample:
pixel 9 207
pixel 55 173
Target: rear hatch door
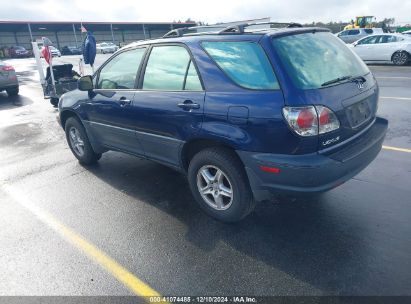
pixel 355 105
pixel 309 63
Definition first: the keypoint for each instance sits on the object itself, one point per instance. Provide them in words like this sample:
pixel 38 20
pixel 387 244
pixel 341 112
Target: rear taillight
pixel 302 120
pixel 7 68
pixel 311 120
pixel 327 120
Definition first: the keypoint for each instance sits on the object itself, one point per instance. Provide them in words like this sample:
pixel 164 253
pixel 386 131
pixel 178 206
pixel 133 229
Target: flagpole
pixel 46 46
pixel 52 73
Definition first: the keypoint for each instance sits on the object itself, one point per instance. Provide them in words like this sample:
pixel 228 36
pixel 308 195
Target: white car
pixel 106 47
pixel 54 51
pixel 395 48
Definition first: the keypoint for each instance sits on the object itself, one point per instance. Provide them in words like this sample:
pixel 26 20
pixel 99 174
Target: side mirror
pixel 85 83
pixel 354 43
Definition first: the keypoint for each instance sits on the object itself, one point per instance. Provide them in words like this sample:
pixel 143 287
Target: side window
pixel 368 31
pixel 244 62
pixel 170 68
pixel 369 40
pixel 121 71
pixel 389 39
pixel 353 32
pixel 343 33
pixel 192 81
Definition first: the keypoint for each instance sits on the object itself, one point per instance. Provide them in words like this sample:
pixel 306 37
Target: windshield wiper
pixel 339 79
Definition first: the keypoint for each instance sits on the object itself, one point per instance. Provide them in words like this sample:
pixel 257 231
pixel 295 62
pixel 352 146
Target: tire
pixel 79 143
pixel 400 58
pixel 215 199
pixel 13 91
pixel 54 101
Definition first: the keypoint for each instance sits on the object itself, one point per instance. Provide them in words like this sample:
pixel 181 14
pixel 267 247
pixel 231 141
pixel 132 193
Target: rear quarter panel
pixel 245 119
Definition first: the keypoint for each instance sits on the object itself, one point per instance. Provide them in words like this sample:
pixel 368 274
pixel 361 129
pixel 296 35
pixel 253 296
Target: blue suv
pixel 244 114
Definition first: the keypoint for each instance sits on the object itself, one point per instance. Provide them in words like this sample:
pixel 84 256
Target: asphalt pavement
pixel 129 226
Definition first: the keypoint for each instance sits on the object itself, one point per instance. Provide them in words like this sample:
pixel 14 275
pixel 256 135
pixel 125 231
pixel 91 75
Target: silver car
pixel 349 36
pixel 8 79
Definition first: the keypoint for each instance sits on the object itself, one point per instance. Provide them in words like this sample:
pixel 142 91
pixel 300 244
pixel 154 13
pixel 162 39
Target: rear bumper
pixel 316 172
pixel 8 85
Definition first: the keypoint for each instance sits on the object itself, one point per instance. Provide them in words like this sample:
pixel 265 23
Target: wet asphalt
pixel 353 240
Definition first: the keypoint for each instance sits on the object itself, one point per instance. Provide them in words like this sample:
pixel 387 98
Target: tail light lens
pixel 7 68
pixel 302 120
pixel 311 120
pixel 327 120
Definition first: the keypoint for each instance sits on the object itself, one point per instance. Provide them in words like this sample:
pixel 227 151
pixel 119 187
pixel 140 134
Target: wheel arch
pixel 66 114
pixel 193 146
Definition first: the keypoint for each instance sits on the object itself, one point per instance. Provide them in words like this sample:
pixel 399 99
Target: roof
pixel 387 34
pixel 248 35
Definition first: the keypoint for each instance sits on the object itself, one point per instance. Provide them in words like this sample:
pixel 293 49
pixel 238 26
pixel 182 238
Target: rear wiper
pixel 339 79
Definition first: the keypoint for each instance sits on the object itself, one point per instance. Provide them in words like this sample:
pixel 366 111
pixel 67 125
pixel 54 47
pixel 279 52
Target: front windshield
pixel 314 58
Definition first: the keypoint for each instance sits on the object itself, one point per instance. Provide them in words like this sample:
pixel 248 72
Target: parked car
pixel 71 50
pixel 349 36
pixel 407 33
pixel 243 114
pixel 54 51
pixel 8 79
pixel 395 48
pixel 106 47
pixel 19 52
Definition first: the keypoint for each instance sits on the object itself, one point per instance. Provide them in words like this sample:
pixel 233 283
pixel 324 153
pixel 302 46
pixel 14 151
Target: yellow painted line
pixel 133 283
pixel 400 98
pixel 396 149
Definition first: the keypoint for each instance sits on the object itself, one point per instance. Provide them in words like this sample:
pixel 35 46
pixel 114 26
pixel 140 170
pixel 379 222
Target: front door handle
pixel 188 105
pixel 124 101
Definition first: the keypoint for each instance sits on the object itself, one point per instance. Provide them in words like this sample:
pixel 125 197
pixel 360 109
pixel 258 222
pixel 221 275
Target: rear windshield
pixel 244 62
pixel 312 59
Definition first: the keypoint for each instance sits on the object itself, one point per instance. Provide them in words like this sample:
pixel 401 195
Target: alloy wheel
pixel 215 187
pixel 400 58
pixel 76 141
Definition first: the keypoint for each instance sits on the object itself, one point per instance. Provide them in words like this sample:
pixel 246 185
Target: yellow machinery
pixel 361 22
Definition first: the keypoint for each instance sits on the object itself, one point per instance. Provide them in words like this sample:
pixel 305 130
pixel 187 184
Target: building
pixel 69 33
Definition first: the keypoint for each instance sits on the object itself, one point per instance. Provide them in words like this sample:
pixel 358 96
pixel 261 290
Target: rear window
pixel 311 59
pixel 244 62
pixel 368 31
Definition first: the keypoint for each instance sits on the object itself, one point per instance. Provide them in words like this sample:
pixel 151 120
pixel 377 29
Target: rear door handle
pixel 188 105
pixel 124 101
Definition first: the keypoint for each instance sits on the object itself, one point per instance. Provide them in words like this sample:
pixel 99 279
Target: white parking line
pixel 391 97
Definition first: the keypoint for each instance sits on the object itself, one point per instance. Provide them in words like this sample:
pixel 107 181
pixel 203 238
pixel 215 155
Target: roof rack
pixel 240 28
pixel 176 32
pixel 232 29
pixel 179 32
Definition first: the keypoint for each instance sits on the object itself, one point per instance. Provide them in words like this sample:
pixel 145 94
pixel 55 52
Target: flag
pixel 45 51
pixel 83 29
